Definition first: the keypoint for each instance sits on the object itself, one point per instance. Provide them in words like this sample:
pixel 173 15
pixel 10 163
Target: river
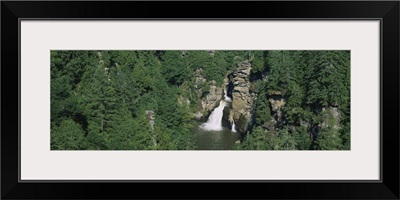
pixel 214 140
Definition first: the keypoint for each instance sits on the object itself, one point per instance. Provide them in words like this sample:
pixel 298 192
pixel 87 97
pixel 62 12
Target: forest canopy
pixel 149 100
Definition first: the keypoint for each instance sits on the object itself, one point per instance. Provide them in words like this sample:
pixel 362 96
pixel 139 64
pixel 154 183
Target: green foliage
pixel 328 139
pixel 99 99
pixel 281 70
pixel 328 75
pixel 308 82
pixel 68 136
pixel 286 140
pixel 64 104
pixel 142 77
pixel 175 68
pixel 257 140
pixel 258 63
pixel 262 109
pixel 107 93
pixel 345 121
pixel 302 138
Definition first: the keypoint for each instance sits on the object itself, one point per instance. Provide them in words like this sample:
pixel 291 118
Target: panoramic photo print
pixel 200 100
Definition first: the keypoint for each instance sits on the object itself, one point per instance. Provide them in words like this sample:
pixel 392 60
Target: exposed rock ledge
pixel 242 98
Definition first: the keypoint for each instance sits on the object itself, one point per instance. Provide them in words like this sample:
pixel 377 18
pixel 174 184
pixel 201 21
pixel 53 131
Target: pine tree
pixel 68 136
pixel 175 69
pixel 257 61
pixel 255 141
pixel 281 71
pixel 328 139
pixel 262 109
pixel 326 78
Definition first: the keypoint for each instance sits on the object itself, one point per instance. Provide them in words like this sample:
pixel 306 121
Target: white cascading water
pixel 214 122
pixel 233 127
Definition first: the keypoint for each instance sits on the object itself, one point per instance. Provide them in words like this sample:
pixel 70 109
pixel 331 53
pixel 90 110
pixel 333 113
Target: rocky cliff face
pixel 208 93
pixel 242 97
pixel 213 97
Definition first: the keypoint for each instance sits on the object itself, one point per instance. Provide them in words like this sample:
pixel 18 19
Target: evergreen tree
pixel 257 61
pixel 255 141
pixel 326 78
pixel 68 136
pixel 175 69
pixel 262 109
pixel 99 99
pixel 329 136
pixel 281 71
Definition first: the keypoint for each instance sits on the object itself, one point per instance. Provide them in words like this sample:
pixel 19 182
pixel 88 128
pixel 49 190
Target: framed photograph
pixel 116 99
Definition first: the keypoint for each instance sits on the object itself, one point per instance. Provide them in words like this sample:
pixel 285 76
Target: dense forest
pixel 150 100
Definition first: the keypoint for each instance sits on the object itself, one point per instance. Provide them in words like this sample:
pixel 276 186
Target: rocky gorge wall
pixel 239 89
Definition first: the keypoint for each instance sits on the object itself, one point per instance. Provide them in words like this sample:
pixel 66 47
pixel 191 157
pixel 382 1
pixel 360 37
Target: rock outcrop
pixel 332 115
pixel 277 101
pixel 242 98
pixel 212 98
pixel 208 93
pixel 150 117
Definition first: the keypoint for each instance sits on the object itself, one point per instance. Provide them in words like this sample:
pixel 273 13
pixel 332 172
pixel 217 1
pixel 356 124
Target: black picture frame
pixel 386 11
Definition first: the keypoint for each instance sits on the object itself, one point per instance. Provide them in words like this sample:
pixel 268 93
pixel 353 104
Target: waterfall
pixel 233 126
pixel 214 122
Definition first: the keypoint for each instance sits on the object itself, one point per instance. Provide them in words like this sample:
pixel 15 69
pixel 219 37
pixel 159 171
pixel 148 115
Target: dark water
pixel 214 140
